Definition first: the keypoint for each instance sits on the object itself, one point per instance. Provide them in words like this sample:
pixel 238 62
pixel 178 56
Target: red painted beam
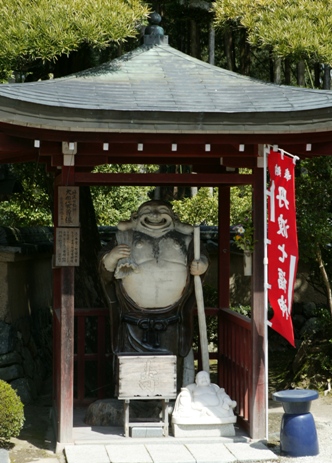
pixel 159 138
pixel 120 149
pixel 161 179
pixel 316 149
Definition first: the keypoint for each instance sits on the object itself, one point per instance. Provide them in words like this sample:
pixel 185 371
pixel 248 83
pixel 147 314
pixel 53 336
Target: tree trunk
pixel 327 77
pixel 287 72
pixel 244 54
pixel 277 71
pixel 325 278
pixel 229 47
pixel 271 67
pixel 317 71
pixel 193 39
pixel 300 73
pixel 212 44
pixel 88 289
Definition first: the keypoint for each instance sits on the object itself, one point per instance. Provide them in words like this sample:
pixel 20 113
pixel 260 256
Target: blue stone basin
pixel 296 401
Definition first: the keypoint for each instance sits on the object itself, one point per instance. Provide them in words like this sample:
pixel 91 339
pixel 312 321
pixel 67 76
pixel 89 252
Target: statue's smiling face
pixel 203 379
pixel 154 218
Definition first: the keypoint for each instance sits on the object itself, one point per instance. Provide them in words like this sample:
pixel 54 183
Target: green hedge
pixel 11 412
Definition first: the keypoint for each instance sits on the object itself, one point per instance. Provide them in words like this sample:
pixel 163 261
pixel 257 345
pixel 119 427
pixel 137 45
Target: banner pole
pixel 200 306
pixel 283 152
pixel 266 343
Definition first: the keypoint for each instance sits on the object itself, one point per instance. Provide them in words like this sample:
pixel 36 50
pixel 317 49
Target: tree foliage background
pixel 35 33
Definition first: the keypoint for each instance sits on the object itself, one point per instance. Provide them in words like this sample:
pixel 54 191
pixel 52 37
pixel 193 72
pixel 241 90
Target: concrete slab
pixel 44 460
pixel 122 453
pixel 170 453
pixel 216 453
pixel 4 456
pixel 86 454
pixel 251 452
pixel 143 431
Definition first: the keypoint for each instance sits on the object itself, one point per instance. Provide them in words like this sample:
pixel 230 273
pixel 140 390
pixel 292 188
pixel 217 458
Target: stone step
pixel 169 452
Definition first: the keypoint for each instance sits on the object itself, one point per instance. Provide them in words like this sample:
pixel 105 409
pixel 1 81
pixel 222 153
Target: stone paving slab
pixel 86 454
pixel 200 452
pixel 128 454
pixel 251 452
pixel 216 453
pixel 170 453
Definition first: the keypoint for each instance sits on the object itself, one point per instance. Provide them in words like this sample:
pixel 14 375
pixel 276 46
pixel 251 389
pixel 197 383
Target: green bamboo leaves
pixel 289 28
pixel 46 29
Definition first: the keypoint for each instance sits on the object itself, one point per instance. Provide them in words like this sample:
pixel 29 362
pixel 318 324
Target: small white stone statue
pixel 204 400
pixel 203 409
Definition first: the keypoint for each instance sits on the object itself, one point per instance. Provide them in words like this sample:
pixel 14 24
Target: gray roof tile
pixel 163 80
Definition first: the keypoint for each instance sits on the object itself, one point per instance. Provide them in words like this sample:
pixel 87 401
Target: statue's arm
pixel 111 258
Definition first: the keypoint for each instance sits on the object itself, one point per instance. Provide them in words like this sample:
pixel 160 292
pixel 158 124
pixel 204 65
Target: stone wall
pixel 25 308
pixel 25 358
pixel 25 271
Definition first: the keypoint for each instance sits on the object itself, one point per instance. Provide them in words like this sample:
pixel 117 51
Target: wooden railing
pixel 93 359
pixel 235 360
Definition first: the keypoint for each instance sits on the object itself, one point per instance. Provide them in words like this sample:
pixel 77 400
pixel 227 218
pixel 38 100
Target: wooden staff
pixel 200 305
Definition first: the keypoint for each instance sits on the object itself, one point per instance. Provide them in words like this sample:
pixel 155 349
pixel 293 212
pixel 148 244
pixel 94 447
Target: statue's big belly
pixel 156 284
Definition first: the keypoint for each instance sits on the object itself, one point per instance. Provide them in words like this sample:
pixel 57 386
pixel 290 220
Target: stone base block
pixel 149 431
pixel 203 430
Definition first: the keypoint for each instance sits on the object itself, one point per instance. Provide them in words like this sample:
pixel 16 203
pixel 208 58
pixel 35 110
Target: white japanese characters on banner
pixel 282 242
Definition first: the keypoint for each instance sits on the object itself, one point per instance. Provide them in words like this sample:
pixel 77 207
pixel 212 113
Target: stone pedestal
pixel 212 428
pixel 203 409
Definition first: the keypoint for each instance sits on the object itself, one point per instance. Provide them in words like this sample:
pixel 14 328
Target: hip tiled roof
pixel 157 88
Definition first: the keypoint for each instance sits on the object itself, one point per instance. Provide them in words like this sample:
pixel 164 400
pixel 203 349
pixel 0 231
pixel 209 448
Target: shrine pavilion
pixel 157 105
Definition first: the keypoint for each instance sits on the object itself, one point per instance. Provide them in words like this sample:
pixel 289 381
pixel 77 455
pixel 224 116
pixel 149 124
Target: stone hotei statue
pixel 147 277
pixel 203 403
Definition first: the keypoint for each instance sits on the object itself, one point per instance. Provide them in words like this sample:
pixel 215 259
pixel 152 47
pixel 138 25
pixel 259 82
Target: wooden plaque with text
pixel 68 206
pixel 67 250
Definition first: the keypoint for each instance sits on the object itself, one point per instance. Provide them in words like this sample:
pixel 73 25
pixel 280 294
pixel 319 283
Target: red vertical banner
pixel 282 242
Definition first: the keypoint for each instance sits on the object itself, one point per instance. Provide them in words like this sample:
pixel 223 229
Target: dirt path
pixel 36 442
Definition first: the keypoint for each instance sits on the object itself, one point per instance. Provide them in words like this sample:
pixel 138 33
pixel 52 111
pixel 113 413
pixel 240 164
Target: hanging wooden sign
pixel 68 206
pixel 67 249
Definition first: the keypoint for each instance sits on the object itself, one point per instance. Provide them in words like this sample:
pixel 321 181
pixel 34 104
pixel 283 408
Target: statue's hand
pixel 198 267
pixel 111 259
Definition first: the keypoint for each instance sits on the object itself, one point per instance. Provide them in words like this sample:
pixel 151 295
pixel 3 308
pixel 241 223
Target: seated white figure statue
pixel 204 402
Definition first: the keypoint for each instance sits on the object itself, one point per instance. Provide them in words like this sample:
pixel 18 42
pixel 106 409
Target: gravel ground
pixel 321 410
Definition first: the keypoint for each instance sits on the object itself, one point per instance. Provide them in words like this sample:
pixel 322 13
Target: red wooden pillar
pixel 64 357
pixel 66 396
pixel 223 263
pixel 258 386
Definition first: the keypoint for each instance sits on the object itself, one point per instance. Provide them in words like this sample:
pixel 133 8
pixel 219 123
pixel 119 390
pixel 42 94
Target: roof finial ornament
pixel 154 33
